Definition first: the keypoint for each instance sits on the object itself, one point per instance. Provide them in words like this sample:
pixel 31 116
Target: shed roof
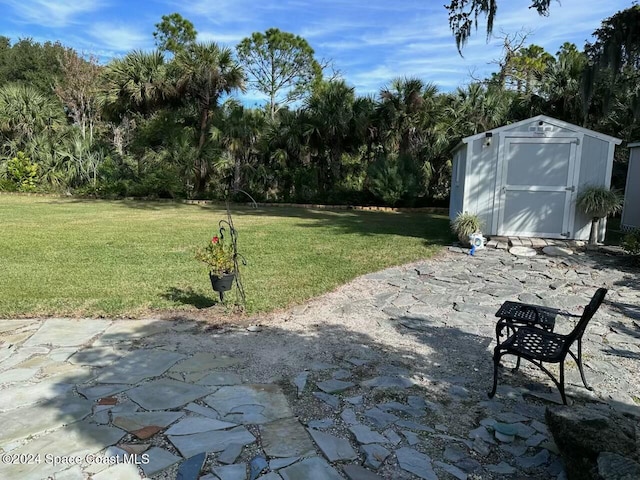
pixel 547 119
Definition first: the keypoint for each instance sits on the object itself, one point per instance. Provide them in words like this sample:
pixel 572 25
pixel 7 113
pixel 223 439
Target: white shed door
pixel 536 186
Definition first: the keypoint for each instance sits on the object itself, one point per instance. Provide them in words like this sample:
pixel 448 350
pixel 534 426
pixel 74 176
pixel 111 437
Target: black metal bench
pixel 536 342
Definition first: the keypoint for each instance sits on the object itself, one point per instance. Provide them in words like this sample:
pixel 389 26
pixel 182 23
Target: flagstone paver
pixel 231 472
pixel 131 330
pixel 166 393
pixel 285 438
pixel 67 332
pixel 72 385
pixel 266 402
pixel 190 425
pixel 95 356
pixel 34 420
pixel 214 441
pixel 220 378
pixel 415 462
pixel 17 375
pixel 334 448
pixel 139 365
pixel 75 440
pixel 135 421
pixel 159 459
pixel 313 468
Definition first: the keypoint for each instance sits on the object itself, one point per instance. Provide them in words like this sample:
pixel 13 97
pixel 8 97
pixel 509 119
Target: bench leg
pixel 579 362
pixel 561 384
pixel 496 362
pixel 515 369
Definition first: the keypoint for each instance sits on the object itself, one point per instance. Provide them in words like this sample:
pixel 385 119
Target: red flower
pixel 215 239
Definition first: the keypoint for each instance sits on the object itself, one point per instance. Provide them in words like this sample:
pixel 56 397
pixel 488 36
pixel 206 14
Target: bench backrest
pixel 587 315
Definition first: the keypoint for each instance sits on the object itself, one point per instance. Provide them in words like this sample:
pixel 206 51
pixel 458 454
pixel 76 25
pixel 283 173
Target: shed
pixel 523 179
pixel 631 211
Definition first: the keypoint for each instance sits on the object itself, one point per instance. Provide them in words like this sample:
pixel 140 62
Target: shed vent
pixel 541 129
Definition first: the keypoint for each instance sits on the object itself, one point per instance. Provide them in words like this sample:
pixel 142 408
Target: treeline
pixel 168 123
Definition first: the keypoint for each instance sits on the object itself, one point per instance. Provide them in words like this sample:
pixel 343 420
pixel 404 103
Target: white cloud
pixel 119 37
pixel 231 39
pixel 52 13
pixel 218 12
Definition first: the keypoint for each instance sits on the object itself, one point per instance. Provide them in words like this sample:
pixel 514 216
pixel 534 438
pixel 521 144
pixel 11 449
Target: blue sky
pixel 370 42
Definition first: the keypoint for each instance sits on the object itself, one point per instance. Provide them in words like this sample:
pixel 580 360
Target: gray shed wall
pixel 631 211
pixel 481 181
pixel 458 176
pixel 593 171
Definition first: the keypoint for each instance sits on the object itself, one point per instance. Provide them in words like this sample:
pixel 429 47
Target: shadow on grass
pixel 189 297
pixel 152 205
pixel 434 229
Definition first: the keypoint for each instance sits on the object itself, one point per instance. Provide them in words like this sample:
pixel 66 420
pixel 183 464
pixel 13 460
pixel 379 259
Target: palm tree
pixel 287 141
pixel 405 108
pixel 242 130
pixel 562 87
pixel 330 110
pixel 598 202
pixel 478 108
pixel 412 133
pixel 25 113
pixel 204 73
pixel 139 82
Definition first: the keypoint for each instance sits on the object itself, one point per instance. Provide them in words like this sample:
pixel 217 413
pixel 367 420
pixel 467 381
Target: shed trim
pixel 631 145
pixel 575 182
pixel 553 121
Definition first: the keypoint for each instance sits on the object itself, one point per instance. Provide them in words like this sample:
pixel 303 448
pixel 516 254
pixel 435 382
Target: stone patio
pixel 384 378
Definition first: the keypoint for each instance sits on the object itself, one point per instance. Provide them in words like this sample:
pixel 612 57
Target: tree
pixel 174 33
pixel 330 115
pixel 289 154
pixel 598 202
pixel 31 63
pixel 615 52
pixel 527 67
pixel 139 82
pixel 562 85
pixel 25 112
pixel 241 131
pixel 280 65
pixel 477 108
pixel 79 91
pixel 204 73
pixel 463 16
pixel 408 116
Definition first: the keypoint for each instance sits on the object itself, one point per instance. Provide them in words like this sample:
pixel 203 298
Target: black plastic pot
pixel 222 283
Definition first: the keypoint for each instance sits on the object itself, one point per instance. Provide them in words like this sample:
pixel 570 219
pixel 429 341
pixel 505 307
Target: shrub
pixel 464 225
pixel 392 180
pixel 7 185
pixel 631 242
pixel 598 202
pixel 22 172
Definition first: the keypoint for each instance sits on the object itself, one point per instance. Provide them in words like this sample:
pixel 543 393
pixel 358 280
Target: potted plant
pixel 219 258
pixel 466 224
pixel 598 202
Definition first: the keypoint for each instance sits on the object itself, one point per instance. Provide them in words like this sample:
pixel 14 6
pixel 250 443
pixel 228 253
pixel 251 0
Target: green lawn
pixel 76 257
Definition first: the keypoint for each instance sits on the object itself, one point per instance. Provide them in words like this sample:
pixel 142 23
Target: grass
pixel 126 258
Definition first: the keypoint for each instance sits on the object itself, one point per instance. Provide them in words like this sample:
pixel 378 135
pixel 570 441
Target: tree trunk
pixel 237 172
pixel 593 235
pixel 201 175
